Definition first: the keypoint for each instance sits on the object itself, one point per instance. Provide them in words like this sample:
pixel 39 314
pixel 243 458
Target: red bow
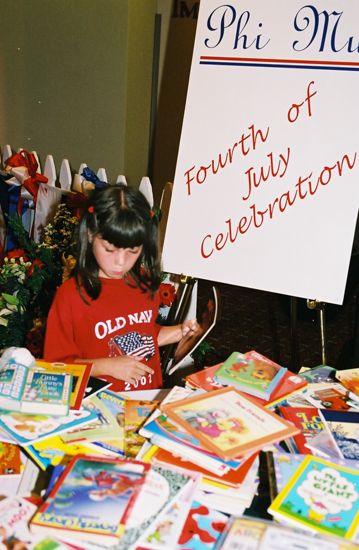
pixel 28 160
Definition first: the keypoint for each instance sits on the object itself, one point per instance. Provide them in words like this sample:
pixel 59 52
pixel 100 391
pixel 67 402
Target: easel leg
pixel 294 334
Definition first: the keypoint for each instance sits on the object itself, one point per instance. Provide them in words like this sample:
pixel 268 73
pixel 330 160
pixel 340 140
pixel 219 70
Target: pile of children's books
pixel 180 468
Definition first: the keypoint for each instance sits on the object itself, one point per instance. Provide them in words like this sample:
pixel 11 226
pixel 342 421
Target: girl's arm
pixel 125 368
pixel 173 334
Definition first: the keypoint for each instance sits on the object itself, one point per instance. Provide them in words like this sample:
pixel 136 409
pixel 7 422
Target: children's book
pixel 91 500
pixel 326 395
pixel 244 531
pixel 25 429
pixel 308 420
pixel 34 390
pixel 52 451
pixel 188 344
pixel 321 496
pixel 320 373
pixel 343 427
pixel 228 423
pixel 202 528
pixel 136 412
pixel 249 533
pixel 285 465
pixel 162 487
pixel 252 373
pixel 80 378
pixel 323 445
pixel 349 378
pixel 163 533
pixel 172 437
pixel 206 379
pixel 233 478
pixel 15 512
pixel 113 446
pixel 10 459
pixel 105 426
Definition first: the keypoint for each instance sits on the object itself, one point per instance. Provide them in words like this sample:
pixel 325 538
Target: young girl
pixel 106 313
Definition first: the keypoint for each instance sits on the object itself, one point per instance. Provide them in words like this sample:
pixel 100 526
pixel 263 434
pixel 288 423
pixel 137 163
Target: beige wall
pixel 75 81
pixel 178 33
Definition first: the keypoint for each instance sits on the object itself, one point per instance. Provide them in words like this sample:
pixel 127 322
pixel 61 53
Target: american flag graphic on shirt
pixel 134 344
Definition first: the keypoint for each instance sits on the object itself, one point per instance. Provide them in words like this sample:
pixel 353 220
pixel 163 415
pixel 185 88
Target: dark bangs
pixel 124 229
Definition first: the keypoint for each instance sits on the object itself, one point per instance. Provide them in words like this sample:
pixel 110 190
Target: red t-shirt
pixel 122 316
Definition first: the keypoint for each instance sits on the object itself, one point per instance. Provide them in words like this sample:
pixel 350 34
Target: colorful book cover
pixel 161 487
pixel 12 382
pixel 91 499
pixel 247 532
pixel 25 429
pixel 80 378
pixel 53 450
pixel 228 423
pixel 105 426
pixel 233 478
pixel 136 412
pixel 349 378
pixel 202 528
pixel 206 379
pixel 46 392
pixel 32 389
pixel 10 459
pixel 320 373
pixel 330 396
pixel 251 373
pixel 343 427
pixel 281 538
pixel 308 420
pixel 163 431
pixel 15 512
pixel 285 465
pixel 321 496
pixel 323 445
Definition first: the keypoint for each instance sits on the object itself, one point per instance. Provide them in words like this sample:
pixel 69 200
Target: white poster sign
pixel 266 189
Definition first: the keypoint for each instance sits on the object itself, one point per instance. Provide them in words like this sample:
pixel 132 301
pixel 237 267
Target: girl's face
pixel 114 262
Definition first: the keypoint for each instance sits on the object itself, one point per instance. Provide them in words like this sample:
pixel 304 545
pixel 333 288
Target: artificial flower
pixel 167 293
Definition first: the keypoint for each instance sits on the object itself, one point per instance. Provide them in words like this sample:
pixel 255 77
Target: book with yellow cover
pixel 320 496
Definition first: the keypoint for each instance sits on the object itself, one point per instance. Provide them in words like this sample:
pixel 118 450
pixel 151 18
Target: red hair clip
pixel 90 209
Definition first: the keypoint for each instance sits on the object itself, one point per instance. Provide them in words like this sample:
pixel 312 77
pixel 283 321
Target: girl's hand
pixel 125 368
pixel 190 327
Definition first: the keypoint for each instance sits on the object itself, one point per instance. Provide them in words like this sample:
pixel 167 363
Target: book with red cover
pixel 229 423
pixel 10 459
pixel 308 420
pixel 233 478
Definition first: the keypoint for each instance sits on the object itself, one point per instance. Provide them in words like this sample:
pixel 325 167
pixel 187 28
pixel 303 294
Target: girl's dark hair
pixel 121 216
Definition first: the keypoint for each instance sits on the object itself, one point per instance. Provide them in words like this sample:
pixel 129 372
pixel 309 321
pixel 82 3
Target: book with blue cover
pixel 91 500
pixel 343 428
pixel 34 389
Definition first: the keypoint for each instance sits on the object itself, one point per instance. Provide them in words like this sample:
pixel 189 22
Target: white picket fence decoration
pixel 63 181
